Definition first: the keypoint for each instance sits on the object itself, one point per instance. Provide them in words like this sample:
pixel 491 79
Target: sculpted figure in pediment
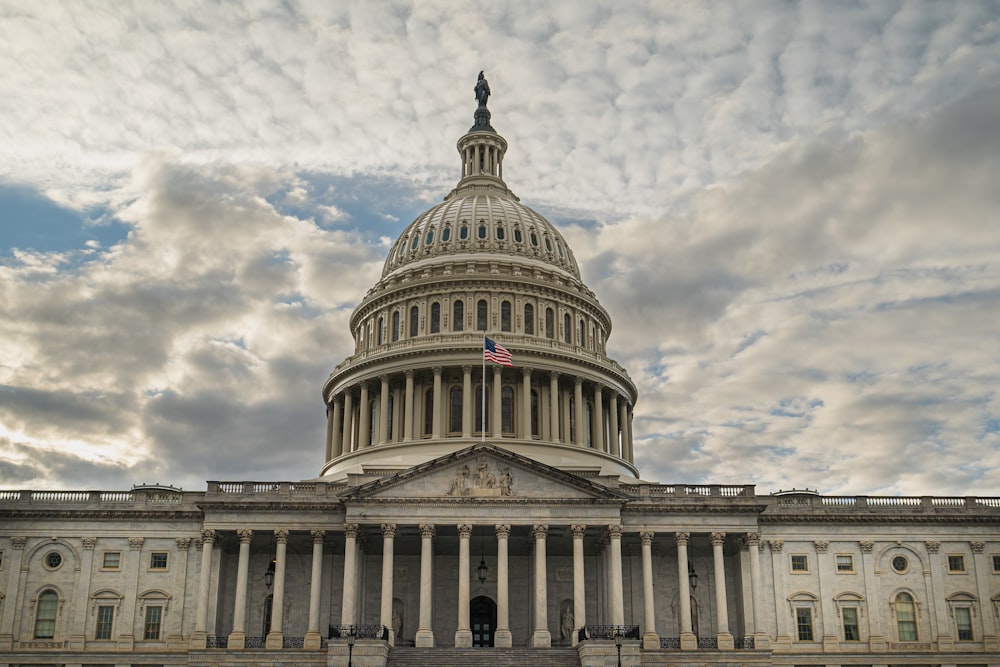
pixel 458 485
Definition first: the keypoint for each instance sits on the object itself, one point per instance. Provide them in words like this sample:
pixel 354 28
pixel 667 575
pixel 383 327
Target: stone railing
pixel 828 503
pixel 609 632
pixel 91 498
pixel 286 489
pixel 702 490
pixel 359 632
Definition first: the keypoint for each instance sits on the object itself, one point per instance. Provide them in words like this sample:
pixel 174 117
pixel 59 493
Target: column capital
pixel 682 538
pixel 822 546
pixel 466 369
pixel 18 542
pixel 183 543
pixel 465 530
pixel 207 537
pixel 977 546
pixel 866 546
pixel 578 530
pixel 933 546
pixel 647 537
pixel 718 539
pixel 135 543
pixel 554 375
pixel 409 373
pixel 598 387
pixel 352 530
pixel 775 546
pixel 615 531
pixel 497 371
pixel 427 530
pixel 388 530
pixel 503 530
pixel 437 370
pixel 752 539
pixel 526 372
pixel 578 381
pixel 281 535
pixel 88 543
pixel 539 531
pixel 318 536
pixel 245 536
pixel 384 378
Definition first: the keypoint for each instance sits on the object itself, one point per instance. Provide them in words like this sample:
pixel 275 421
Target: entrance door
pixel 483 616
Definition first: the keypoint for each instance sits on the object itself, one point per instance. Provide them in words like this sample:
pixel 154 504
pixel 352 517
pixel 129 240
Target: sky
pixel 791 211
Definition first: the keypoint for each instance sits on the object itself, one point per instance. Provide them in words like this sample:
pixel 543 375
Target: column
pixel 330 426
pixel 239 633
pixel 724 637
pixel 626 433
pixel 336 447
pixel 940 624
pixel 364 419
pixel 383 411
pixel 503 638
pixel 628 441
pixel 463 635
pixel 567 400
pixel 581 435
pixel 385 609
pixel 425 633
pixel 467 399
pixel 761 638
pixel 876 640
pixel 650 640
pixel 541 637
pixel 688 640
pixel 614 446
pixel 497 386
pixel 579 582
pixel 130 577
pixel 526 403
pixel 175 636
pixel 615 592
pixel 348 438
pixel 313 639
pixel 81 594
pixel 554 406
pixel 350 597
pixel 826 569
pixel 275 638
pixel 982 570
pixel 782 637
pixel 597 439
pixel 436 415
pixel 13 591
pixel 200 635
pixel 408 415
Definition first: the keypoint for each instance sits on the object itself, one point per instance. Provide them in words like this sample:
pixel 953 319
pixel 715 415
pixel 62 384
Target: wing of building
pixel 468 512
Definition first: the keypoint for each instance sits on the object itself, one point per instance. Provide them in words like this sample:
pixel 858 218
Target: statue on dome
pixel 482 90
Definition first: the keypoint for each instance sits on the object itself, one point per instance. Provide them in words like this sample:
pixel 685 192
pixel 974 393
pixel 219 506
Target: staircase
pixel 402 656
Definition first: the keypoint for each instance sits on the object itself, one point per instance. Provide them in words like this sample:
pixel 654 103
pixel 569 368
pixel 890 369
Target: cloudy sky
pixel 791 211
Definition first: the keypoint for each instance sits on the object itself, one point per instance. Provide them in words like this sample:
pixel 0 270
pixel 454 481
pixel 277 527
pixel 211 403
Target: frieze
pixel 484 483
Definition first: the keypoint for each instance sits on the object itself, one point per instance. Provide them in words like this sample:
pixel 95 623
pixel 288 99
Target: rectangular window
pixel 963 619
pixel 105 619
pixel 804 622
pixel 800 563
pixel 850 617
pixel 151 628
pixel 158 560
pixel 996 563
pixel 956 563
pixel 112 560
pixel 845 563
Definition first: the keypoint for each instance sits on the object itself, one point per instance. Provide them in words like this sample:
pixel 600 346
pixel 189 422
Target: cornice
pixel 888 517
pixel 84 514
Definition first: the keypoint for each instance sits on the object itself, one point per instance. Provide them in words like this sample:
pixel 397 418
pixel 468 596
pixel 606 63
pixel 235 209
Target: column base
pixel 991 644
pixel 76 642
pixel 541 639
pixel 831 643
pixel 782 643
pixel 199 640
pixel 946 643
pixel 650 641
pixel 424 638
pixel 312 640
pixel 274 641
pixel 463 638
pixel 761 641
pixel 689 641
pixel 126 643
pixel 725 641
pixel 877 644
pixel 237 640
pixel 503 639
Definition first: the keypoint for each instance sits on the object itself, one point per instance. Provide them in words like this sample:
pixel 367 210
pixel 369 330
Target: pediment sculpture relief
pixel 483 483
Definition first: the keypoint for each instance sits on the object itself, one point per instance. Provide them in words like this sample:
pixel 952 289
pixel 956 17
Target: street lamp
pixel 482 570
pixel 692 577
pixel 618 645
pixel 350 646
pixel 269 575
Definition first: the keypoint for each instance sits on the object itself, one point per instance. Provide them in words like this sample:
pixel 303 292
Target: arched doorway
pixel 483 617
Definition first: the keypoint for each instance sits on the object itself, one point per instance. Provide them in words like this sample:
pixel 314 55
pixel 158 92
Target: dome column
pixel 335 437
pixel 497 404
pixel 364 419
pixel 597 437
pixel 526 404
pixel 614 447
pixel 383 411
pixel 348 430
pixel 581 438
pixel 408 414
pixel 554 406
pixel 467 401
pixel 436 418
pixel 626 431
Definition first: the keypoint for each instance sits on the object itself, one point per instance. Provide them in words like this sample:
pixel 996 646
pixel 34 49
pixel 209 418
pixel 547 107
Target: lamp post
pixel 350 646
pixel 618 645
pixel 692 577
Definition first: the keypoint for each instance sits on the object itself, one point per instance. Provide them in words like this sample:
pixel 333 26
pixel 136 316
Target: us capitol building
pixel 469 513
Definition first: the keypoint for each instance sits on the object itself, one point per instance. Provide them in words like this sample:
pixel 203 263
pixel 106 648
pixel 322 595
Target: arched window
pixel 414 320
pixel 550 323
pixel 505 316
pixel 428 412
pixel 446 234
pixel 45 614
pixel 579 332
pixel 482 230
pixel 572 421
pixel 265 624
pixel 381 329
pixel 548 244
pixel 463 232
pixel 588 420
pixel 517 235
pixel 507 410
pixel 395 326
pixel 567 329
pixel 388 435
pixel 458 315
pixel 482 421
pixel 906 618
pixel 455 410
pixel 435 317
pixel 430 238
pixel 481 315
pixel 500 233
pixel 529 319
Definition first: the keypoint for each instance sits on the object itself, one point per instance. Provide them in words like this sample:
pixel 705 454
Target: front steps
pixel 401 656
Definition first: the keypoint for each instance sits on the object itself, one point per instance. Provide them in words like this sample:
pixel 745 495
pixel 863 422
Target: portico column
pixel 436 412
pixel 614 447
pixel 541 637
pixel 200 635
pixel 554 407
pixel 725 639
pixel 495 417
pixel 238 635
pixel 650 640
pixel 617 598
pixel 463 635
pixel 408 416
pixel 503 638
pixel 383 411
pixel 581 436
pixel 313 638
pixel 425 633
pixel 597 437
pixel 347 442
pixel 579 582
pixel 467 399
pixel 336 429
pixel 526 403
pixel 761 639
pixel 275 638
pixel 365 417
pixel 385 611
pixel 350 596
pixel 688 641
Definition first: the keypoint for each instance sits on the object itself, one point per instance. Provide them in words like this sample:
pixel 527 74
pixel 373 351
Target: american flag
pixel 497 353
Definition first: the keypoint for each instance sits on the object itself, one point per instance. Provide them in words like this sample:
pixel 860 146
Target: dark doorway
pixel 483 616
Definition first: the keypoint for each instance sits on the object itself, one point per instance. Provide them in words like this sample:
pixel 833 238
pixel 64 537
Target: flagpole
pixel 482 421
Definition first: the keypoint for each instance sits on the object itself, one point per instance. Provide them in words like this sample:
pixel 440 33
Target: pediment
pixel 483 473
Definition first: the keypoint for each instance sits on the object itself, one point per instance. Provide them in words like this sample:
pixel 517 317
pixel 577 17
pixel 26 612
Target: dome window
pixel 414 320
pixel 518 238
pixel 430 238
pixel 505 318
pixel 481 308
pixel 529 319
pixel 435 317
pixel 559 249
pixel 482 231
pixel 550 323
pixel 500 233
pixel 458 316
pixel 567 329
pixel 534 239
pixel 463 232
pixel 395 326
pixel 416 242
pixel 446 234
pixel 548 244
